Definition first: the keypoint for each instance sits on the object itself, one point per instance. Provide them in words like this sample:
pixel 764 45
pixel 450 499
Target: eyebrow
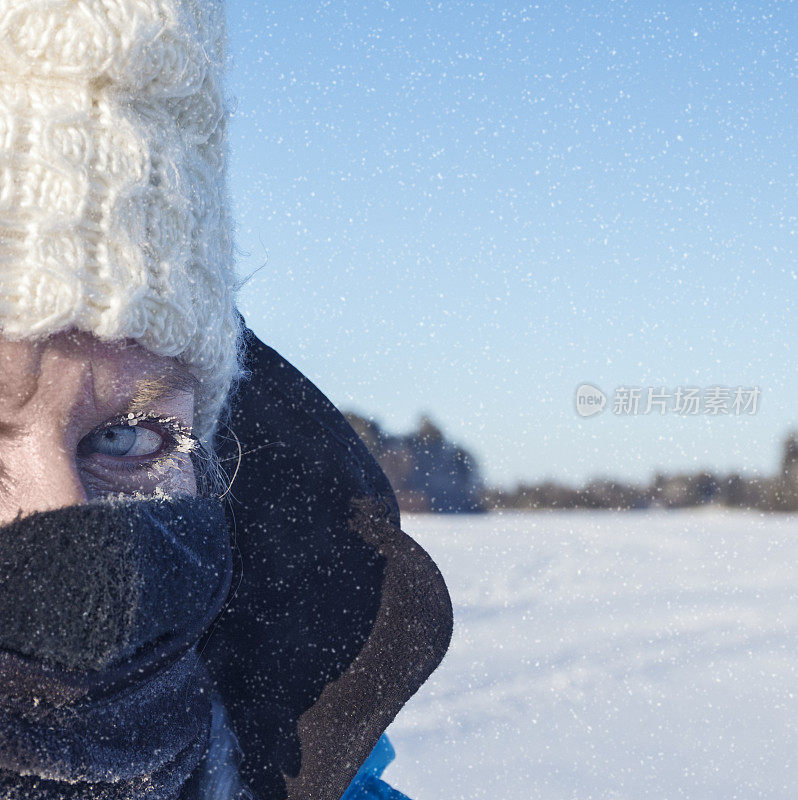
pixel 149 390
pixel 158 387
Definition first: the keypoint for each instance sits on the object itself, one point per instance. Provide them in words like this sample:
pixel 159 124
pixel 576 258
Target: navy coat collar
pixel 336 617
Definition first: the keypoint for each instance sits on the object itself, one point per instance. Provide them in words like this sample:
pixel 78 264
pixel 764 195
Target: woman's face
pixel 80 418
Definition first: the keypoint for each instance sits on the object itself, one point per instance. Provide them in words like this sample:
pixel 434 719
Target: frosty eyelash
pixel 177 438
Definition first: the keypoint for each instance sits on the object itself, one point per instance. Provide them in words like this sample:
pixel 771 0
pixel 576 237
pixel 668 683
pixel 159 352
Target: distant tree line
pixel 427 472
pixel 777 492
pixel 431 474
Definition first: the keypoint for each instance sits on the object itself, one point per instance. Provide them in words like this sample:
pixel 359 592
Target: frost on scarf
pixel 102 693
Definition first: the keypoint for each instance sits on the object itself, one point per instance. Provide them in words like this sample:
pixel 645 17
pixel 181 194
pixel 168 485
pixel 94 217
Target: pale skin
pixel 81 419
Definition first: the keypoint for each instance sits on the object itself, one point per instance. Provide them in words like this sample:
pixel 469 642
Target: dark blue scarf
pixel 103 695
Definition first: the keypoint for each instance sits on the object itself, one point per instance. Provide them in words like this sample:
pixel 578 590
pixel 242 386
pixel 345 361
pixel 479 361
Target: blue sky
pixel 468 209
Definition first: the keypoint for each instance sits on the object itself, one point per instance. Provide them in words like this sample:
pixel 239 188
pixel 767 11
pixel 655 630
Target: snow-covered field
pixel 609 655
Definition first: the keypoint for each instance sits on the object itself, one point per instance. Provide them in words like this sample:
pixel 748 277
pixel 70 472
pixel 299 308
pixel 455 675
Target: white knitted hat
pixel 114 215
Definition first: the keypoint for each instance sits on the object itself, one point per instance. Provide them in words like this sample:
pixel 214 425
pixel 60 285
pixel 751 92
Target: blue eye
pixel 122 440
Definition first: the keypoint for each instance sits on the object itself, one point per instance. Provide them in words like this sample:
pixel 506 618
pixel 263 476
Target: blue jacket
pixel 367 784
pixel 221 769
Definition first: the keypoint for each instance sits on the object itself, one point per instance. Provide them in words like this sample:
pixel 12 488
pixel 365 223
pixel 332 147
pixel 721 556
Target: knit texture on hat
pixel 114 215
